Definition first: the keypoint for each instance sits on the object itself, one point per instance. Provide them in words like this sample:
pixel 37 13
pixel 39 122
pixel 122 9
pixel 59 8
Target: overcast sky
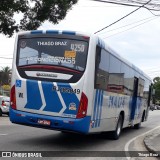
pixel 136 38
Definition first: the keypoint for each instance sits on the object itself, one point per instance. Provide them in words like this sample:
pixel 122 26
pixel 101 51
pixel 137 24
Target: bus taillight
pixel 13 98
pixel 82 111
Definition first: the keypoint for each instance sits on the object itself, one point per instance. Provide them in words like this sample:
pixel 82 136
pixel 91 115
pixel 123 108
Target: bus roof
pixel 66 32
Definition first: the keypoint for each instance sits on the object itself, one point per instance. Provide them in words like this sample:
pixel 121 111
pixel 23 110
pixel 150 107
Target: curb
pixel 148 142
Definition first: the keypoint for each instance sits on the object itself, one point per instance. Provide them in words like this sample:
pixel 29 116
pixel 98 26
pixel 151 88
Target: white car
pixel 158 107
pixel 4 105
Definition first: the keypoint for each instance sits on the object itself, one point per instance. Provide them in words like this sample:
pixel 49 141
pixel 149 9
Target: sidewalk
pixel 152 142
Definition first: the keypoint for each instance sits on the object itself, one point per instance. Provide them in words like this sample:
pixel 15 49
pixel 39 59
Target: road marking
pixel 1 134
pixel 126 148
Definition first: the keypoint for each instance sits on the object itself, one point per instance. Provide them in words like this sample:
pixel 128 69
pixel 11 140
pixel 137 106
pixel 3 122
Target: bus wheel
pixel 137 126
pixel 117 132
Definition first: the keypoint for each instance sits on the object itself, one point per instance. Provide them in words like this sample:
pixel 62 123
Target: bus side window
pixel 97 62
pixel 101 69
pixel 98 56
pixel 141 87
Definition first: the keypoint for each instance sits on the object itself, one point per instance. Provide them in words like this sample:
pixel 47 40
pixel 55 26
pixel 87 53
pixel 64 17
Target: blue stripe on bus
pixel 52 32
pixel 70 99
pixel 69 32
pixel 133 108
pixel 98 107
pixel 101 102
pixel 36 32
pixel 53 103
pixel 33 95
pixel 95 105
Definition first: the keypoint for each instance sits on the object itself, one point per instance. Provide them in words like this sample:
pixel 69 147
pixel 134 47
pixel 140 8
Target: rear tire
pixel 115 134
pixel 137 126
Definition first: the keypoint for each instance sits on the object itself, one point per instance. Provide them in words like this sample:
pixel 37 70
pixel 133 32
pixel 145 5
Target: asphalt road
pixel 22 138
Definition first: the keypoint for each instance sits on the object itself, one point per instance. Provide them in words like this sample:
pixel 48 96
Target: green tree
pixel 34 13
pixel 156 86
pixel 5 75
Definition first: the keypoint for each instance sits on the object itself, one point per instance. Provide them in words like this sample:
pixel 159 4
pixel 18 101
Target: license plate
pixel 44 122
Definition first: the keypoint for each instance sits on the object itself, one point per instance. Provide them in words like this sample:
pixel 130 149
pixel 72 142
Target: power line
pixel 156 72
pixel 118 3
pixel 122 17
pixel 6 63
pixel 7 55
pixel 130 28
pixel 152 12
pixel 5 58
pixel 154 6
pixel 152 69
pixel 128 24
pixel 100 6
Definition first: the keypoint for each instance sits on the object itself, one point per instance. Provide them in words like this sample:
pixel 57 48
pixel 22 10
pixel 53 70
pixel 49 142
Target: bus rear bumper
pixel 50 122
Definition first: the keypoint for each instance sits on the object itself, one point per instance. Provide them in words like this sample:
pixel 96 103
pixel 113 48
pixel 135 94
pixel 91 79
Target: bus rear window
pixel 53 51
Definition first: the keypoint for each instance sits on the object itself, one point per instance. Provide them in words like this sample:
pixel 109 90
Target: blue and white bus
pixel 73 82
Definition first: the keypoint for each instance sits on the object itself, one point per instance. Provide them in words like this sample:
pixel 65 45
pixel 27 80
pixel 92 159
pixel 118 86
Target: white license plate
pixel 44 122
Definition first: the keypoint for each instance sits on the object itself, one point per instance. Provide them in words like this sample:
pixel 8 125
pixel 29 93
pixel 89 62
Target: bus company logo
pixel 72 106
pixel 46 75
pixel 52 43
pixel 23 44
pixel 49 43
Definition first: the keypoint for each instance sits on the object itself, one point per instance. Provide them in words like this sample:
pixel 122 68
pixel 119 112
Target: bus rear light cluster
pixel 13 98
pixel 82 110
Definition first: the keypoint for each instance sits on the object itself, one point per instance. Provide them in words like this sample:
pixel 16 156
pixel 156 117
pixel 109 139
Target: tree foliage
pixel 156 86
pixel 34 13
pixel 5 73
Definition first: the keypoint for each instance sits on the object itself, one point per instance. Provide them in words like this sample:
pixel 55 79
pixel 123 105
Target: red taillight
pixel 3 103
pixel 85 37
pixel 82 111
pixel 13 98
